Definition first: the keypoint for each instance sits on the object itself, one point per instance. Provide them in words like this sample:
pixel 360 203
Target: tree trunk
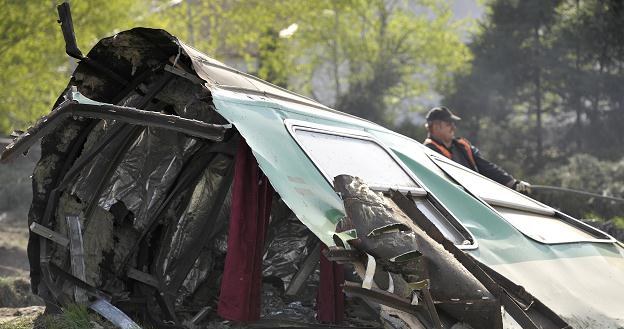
pixel 538 101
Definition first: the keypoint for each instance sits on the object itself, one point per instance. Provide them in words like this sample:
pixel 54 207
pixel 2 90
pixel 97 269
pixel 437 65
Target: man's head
pixel 441 124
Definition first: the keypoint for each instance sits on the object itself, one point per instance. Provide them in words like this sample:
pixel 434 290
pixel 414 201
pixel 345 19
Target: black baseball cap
pixel 441 113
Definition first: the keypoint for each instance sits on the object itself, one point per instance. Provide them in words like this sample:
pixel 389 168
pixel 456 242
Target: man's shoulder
pixel 466 142
pixel 430 145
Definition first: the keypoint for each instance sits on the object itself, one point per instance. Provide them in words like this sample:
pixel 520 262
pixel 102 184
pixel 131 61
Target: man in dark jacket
pixel 441 138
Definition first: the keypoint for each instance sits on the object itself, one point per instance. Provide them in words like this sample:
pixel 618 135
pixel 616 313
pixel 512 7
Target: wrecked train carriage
pixel 179 173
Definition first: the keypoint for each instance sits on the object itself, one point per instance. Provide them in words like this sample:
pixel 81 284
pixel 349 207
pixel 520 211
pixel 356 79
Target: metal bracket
pixel 49 234
pixel 341 255
pixel 183 74
pixel 381 297
pixel 142 277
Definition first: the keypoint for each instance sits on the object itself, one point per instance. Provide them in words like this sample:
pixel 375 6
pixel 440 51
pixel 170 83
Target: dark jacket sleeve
pixel 491 170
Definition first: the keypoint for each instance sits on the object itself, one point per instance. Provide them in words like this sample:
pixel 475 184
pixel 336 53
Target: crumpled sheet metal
pixel 196 214
pixel 449 279
pixel 146 171
pixel 292 243
pixel 260 120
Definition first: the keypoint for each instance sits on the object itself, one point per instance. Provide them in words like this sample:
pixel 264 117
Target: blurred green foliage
pixel 546 83
pixel 586 173
pixel 75 317
pixel 543 97
pixel 369 56
pixel 35 68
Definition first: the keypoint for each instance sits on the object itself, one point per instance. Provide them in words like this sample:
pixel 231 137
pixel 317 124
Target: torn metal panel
pixel 288 250
pixel 367 210
pixel 143 174
pixel 484 305
pixel 220 75
pixel 301 186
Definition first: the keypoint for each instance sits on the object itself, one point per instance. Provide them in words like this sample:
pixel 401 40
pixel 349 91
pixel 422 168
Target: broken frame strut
pixel 78 105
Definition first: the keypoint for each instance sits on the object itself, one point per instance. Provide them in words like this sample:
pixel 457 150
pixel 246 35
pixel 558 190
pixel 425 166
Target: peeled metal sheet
pixel 143 176
pixel 114 315
pixel 288 249
pixel 196 215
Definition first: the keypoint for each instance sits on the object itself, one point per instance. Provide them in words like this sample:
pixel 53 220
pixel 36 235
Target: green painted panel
pixel 289 170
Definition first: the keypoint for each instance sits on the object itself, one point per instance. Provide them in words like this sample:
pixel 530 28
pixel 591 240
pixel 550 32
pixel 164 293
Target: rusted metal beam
pixel 71 46
pixel 433 313
pixel 183 74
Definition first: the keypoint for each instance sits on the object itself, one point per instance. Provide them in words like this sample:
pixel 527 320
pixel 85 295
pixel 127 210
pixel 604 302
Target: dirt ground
pixel 16 300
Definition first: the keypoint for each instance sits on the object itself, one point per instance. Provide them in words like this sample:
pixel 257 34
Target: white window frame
pixel 540 209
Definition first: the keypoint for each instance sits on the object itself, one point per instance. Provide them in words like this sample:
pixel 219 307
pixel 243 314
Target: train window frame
pixel 536 211
pixel 419 194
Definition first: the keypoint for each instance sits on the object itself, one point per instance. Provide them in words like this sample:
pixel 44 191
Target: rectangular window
pixel 457 234
pixel 357 156
pixel 489 190
pixel 543 228
pixel 535 220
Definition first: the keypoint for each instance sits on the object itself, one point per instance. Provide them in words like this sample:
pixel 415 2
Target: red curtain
pixel 252 196
pixel 330 298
